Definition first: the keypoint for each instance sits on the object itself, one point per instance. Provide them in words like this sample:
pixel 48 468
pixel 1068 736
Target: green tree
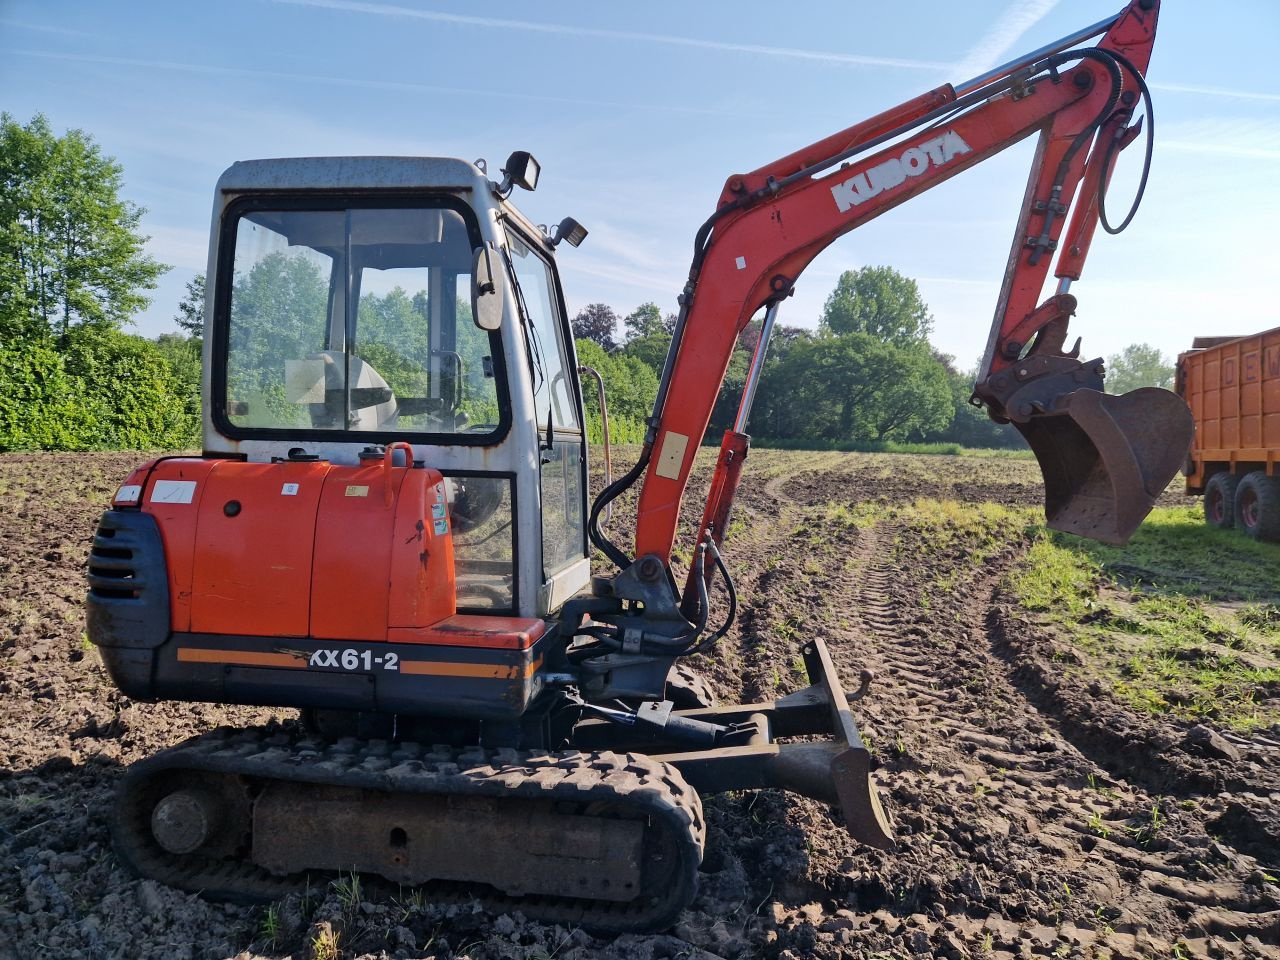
pixel 650 349
pixel 1138 365
pixel 191 310
pixel 878 301
pixel 630 389
pixel 104 390
pixel 42 406
pixel 131 391
pixel 392 334
pixel 183 355
pixel 970 426
pixel 647 320
pixel 279 311
pixel 857 388
pixel 70 251
pixel 649 335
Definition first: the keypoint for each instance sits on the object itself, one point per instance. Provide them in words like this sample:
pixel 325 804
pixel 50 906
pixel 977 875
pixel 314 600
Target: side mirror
pixel 521 170
pixel 488 288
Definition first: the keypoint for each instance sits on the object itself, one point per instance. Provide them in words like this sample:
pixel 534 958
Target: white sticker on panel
pixel 289 490
pixel 173 491
pixel 671 458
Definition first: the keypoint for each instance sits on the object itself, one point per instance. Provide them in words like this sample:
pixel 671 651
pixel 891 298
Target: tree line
pixel 73 274
pixel 866 375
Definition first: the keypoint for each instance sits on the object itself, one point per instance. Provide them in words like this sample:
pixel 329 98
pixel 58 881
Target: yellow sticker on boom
pixel 355 490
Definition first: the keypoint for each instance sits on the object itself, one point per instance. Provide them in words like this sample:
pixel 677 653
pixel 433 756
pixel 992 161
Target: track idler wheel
pixel 185 820
pixel 1106 459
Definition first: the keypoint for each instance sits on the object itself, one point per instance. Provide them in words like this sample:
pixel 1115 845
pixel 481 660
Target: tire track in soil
pixel 1012 842
pixel 1013 756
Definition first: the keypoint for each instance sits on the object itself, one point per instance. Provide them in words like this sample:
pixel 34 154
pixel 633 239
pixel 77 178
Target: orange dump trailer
pixel 1232 385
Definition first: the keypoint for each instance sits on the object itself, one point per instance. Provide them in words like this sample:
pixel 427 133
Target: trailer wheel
pixel 1220 500
pixel 1258 506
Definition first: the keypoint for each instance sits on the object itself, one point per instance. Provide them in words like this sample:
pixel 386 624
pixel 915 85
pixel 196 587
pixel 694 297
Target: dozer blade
pixel 841 767
pixel 806 742
pixel 859 800
pixel 1106 459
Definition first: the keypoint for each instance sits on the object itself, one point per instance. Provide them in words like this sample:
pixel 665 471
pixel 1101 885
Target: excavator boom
pixel 1104 461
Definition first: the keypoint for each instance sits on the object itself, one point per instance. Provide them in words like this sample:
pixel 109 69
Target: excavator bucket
pixel 1106 459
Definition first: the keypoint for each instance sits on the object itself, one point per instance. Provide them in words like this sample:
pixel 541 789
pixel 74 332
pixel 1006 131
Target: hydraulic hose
pixel 709 642
pixel 1146 160
pixel 607 496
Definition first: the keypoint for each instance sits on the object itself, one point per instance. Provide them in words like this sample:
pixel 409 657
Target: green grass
pixel 980 529
pixel 1185 620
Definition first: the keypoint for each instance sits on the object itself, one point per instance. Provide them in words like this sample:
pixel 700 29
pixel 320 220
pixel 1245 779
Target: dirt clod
pixel 1200 739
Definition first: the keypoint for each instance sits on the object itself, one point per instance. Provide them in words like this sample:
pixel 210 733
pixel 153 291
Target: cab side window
pixel 553 373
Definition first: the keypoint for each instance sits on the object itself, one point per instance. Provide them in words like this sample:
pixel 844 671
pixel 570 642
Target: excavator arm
pixel 1105 458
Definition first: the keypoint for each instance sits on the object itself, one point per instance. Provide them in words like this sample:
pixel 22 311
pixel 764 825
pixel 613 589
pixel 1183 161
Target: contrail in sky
pixel 996 43
pixel 1215 92
pixel 42 28
pixel 359 82
pixel 391 10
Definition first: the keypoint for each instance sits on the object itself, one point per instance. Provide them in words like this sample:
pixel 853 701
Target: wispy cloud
pixel 993 283
pixel 42 28
pixel 612 272
pixel 1244 138
pixel 1222 149
pixel 632 36
pixel 358 82
pixel 182 247
pixel 996 43
pixel 634 247
pixel 1216 92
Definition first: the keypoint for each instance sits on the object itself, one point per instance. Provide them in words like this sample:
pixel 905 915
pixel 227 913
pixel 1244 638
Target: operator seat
pixel 378 416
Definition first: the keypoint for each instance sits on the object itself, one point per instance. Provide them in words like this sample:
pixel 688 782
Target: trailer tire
pixel 1258 506
pixel 1220 500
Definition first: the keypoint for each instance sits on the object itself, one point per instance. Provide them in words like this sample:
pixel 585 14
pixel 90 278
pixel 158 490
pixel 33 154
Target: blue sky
pixel 638 113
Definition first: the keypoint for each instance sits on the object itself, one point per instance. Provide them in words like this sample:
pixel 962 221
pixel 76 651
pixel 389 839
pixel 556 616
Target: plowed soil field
pixel 1036 813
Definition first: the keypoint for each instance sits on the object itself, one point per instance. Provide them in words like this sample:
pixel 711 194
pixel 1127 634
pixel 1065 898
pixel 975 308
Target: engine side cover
pixel 303 549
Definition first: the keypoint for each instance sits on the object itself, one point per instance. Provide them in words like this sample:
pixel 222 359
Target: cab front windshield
pixel 357 319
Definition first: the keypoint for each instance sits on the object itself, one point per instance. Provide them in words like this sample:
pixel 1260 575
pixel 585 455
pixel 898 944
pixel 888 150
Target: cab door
pixel 557 405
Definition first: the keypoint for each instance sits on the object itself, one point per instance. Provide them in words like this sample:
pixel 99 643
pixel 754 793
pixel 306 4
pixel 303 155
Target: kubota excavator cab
pixel 349 342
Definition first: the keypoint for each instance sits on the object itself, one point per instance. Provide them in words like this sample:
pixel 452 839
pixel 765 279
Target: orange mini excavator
pixel 388 526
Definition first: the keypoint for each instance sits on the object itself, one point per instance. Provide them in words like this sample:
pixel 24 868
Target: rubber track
pixel 655 790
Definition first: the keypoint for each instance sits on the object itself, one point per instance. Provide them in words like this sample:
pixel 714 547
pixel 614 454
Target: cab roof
pixel 352 173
